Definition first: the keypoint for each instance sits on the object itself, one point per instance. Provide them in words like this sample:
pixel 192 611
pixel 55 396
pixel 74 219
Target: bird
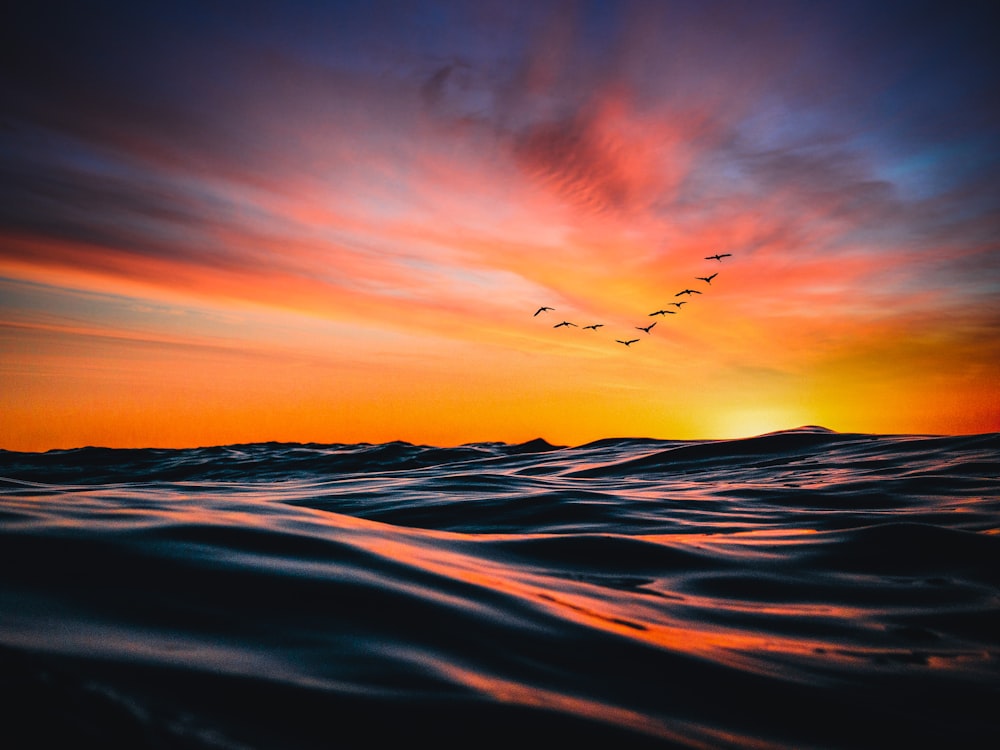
pixel 627 343
pixel 564 323
pixel 594 327
pixel 662 312
pixel 541 309
pixel 687 291
pixel 678 304
pixel 707 279
pixel 646 329
pixel 718 256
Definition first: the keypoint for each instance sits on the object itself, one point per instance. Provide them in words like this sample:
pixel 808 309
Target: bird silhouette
pixel 647 329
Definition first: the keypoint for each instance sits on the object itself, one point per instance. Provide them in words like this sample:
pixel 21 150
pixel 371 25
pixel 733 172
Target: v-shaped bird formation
pixel 647 328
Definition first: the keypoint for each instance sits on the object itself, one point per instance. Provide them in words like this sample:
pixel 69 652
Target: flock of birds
pixel 628 342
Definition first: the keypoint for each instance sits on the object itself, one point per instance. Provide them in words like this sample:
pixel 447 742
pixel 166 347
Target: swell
pixel 257 461
pixel 776 448
pixel 631 640
pixel 613 457
pixel 800 589
pixel 913 549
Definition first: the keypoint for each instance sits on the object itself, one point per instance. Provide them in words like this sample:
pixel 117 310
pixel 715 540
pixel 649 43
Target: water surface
pixel 798 589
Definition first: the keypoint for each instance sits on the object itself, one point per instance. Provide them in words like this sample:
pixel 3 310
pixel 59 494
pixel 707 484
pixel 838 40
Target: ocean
pixel 800 589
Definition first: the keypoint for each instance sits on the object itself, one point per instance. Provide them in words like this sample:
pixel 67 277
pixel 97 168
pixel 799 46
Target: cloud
pixel 581 163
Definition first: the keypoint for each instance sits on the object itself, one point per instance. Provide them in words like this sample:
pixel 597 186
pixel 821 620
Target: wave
pixel 803 588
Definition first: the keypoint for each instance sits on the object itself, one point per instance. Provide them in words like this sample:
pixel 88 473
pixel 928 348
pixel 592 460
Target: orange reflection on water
pixel 654 624
pixel 641 614
pixel 637 614
pixel 756 537
pixel 510 692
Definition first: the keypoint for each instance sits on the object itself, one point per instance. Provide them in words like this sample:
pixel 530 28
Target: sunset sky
pixel 226 222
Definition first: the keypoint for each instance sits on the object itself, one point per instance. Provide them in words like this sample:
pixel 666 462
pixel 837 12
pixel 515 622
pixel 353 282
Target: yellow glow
pixel 741 423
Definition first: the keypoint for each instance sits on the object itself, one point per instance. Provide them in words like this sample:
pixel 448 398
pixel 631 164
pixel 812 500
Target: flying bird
pixel 646 329
pixel 564 323
pixel 627 343
pixel 594 327
pixel 541 309
pixel 678 304
pixel 662 312
pixel 718 256
pixel 687 291
pixel 707 279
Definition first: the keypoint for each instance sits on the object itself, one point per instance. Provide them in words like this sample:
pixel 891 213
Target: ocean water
pixel 801 589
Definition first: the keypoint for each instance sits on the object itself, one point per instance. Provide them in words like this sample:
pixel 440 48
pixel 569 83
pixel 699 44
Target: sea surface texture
pixel 801 589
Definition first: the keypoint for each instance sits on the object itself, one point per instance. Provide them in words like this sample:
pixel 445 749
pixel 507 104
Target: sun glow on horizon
pixel 743 423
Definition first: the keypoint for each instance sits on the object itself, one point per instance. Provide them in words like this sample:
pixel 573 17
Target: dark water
pixel 795 590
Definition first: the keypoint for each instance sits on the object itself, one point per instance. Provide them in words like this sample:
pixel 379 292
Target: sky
pixel 231 222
